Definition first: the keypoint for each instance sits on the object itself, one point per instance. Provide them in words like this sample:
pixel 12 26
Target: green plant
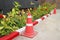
pixel 13 21
pixel 42 10
pixel 16 18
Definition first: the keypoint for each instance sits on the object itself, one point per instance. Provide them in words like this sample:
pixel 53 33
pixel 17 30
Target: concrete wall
pixel 41 1
pixel 6 5
pixel 51 1
pixel 58 3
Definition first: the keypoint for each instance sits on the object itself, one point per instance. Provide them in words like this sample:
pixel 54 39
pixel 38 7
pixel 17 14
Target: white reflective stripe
pixel 29 24
pixel 29 16
pixel 21 30
pixel 38 20
pixel 45 16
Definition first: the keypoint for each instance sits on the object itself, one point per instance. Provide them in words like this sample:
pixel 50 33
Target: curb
pixel 19 31
pixel 41 19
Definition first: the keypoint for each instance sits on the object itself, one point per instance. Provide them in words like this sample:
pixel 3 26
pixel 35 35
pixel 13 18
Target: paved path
pixel 49 29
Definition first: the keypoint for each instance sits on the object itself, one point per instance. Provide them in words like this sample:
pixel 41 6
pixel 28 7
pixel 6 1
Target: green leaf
pixel 1 28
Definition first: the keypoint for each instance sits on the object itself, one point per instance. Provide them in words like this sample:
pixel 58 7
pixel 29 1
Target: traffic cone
pixel 54 11
pixel 10 39
pixel 29 31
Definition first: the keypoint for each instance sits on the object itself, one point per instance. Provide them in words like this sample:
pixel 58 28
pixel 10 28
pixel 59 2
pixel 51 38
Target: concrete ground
pixel 49 29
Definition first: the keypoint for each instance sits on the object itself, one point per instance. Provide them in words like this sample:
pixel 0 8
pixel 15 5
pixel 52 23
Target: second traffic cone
pixel 54 11
pixel 29 31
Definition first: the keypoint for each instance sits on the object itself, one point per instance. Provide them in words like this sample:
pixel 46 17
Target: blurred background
pixel 7 5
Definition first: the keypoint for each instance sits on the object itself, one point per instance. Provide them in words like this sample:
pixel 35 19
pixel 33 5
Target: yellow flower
pixel 4 16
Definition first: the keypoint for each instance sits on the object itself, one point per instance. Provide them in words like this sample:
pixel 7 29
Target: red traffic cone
pixel 54 11
pixel 10 39
pixel 29 31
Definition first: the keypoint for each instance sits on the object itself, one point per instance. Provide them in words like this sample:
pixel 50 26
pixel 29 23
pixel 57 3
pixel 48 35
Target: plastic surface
pixel 29 31
pixel 55 11
pixel 10 36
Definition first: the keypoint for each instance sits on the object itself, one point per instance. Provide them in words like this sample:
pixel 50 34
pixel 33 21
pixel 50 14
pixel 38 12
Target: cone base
pixel 29 35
